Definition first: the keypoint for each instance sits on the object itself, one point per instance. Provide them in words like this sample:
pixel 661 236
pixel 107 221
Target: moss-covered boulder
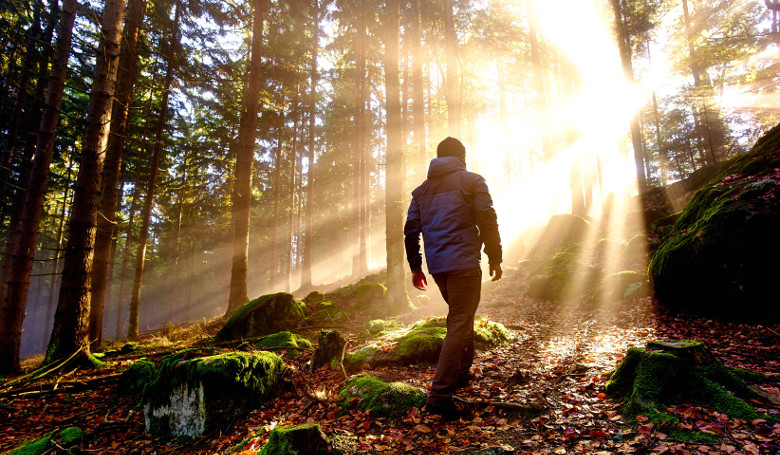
pixel 369 295
pixel 189 396
pixel 377 327
pixel 722 252
pixel 65 438
pixel 562 277
pixel 561 231
pixel 671 372
pixel 284 340
pixel 325 312
pixel 381 398
pixel 297 440
pixel 262 316
pixel 314 297
pixel 136 377
pixel 622 286
pixel 420 343
pixel 329 348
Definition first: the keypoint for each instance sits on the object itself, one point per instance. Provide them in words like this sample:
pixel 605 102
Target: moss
pixel 136 377
pixel 231 383
pixel 314 297
pixel 383 399
pixel 421 342
pixel 65 438
pixel 646 382
pixel 370 294
pixel 624 285
pixel 380 326
pixel 299 439
pixel 264 315
pixel 284 339
pixel 720 254
pixel 561 231
pixel 329 348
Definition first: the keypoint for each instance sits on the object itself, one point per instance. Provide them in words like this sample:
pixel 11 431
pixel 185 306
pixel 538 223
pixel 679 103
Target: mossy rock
pixel 297 440
pixel 627 285
pixel 420 343
pixel 328 312
pixel 262 316
pixel 369 295
pixel 65 438
pixel 329 348
pixel 383 399
pixel 189 396
pixel 136 377
pixel 720 258
pixel 648 380
pixel 314 297
pixel 561 231
pixel 378 327
pixel 349 291
pixel 562 277
pixel 284 339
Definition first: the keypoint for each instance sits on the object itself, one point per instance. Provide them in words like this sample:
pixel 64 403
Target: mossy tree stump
pixel 668 372
pixel 301 439
pixel 330 346
pixel 383 399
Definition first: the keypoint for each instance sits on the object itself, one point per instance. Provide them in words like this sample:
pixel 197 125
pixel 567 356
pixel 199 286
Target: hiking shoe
pixel 449 410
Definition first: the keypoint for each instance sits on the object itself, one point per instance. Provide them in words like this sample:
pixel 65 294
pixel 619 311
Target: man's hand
pixel 419 281
pixel 496 272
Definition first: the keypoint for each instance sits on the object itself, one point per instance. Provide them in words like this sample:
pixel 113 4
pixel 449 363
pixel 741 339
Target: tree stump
pixel 681 371
pixel 330 346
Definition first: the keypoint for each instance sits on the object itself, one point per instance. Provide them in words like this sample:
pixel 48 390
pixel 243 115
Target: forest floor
pixel 560 356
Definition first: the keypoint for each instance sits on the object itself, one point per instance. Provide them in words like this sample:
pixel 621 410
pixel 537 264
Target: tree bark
pixel 20 247
pixel 274 278
pixel 306 281
pixel 151 188
pixel 360 260
pixel 418 97
pixel 107 218
pixel 624 46
pixel 125 260
pixel 394 244
pixel 242 191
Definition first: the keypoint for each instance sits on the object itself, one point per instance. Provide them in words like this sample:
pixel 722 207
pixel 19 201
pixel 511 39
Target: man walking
pixel 454 212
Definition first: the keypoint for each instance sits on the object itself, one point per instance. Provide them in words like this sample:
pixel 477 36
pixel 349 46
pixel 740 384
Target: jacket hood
pixel 445 165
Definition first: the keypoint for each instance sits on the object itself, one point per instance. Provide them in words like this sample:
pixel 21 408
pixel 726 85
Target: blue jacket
pixel 454 212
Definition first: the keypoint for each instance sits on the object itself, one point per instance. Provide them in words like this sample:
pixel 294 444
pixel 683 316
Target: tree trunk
pixel 293 172
pixel 418 98
pixel 450 50
pixel 274 278
pixel 394 244
pixel 17 260
pixel 107 218
pixel 125 261
pixel 360 260
pixel 151 188
pixel 242 192
pixel 306 282
pixel 624 46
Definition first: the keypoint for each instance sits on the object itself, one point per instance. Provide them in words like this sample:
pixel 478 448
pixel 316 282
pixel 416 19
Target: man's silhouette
pixel 454 213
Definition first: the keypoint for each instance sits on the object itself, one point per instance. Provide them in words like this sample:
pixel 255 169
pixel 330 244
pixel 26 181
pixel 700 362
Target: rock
pixel 720 257
pixel 625 285
pixel 314 297
pixel 135 377
pixel 384 399
pixel 284 339
pixel 561 231
pixel 265 315
pixel 378 326
pixel 297 440
pixel 326 312
pixel 421 343
pixel 65 438
pixel 190 396
pixel 647 381
pixel 329 348
pixel 562 277
pixel 369 295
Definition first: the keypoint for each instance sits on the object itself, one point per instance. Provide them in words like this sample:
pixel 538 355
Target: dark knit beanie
pixel 451 147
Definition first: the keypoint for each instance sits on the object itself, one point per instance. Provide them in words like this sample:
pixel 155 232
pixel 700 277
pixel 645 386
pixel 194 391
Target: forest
pixel 167 164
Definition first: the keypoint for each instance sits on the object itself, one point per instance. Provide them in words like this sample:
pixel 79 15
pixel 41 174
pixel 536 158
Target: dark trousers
pixel 461 290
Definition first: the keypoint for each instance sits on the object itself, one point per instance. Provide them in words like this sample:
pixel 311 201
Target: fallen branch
pixel 62 387
pixel 768 396
pixel 534 408
pixel 341 362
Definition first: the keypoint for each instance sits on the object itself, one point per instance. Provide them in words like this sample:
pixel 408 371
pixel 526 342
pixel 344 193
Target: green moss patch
pixel 419 343
pixel 721 253
pixel 65 438
pixel 265 315
pixel 284 339
pixel 136 377
pixel 189 396
pixel 381 398
pixel 297 439
pixel 561 277
pixel 369 295
pixel 648 381
pixel 379 327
